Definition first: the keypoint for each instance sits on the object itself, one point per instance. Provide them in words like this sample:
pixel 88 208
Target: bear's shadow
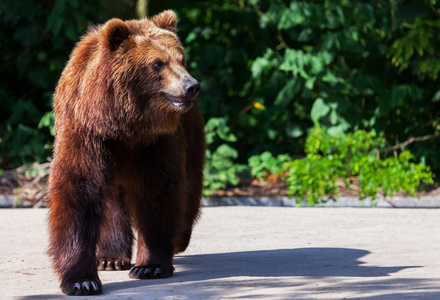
pixel 313 263
pixel 302 262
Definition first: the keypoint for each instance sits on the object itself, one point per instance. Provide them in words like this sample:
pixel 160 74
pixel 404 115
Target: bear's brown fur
pixel 129 151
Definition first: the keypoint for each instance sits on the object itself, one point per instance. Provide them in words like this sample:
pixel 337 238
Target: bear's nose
pixel 191 89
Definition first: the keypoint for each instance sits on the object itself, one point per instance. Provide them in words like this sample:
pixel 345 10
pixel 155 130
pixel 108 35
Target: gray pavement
pixel 246 252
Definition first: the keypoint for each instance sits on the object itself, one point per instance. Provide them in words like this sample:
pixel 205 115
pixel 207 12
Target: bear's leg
pixel 192 213
pixel 152 262
pixel 186 237
pixel 195 155
pixel 116 238
pixel 191 216
pixel 158 234
pixel 73 233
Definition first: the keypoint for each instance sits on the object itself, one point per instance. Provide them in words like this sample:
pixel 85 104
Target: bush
pixel 263 165
pixel 220 168
pixel 353 157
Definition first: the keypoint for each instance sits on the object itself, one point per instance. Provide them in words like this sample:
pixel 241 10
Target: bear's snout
pixel 191 89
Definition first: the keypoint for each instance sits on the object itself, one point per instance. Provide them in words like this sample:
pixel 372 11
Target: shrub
pixel 220 167
pixel 351 157
pixel 265 164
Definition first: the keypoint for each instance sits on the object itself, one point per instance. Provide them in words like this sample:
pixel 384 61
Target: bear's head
pixel 134 77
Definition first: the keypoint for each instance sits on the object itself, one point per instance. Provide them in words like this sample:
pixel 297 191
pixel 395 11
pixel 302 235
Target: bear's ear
pixel 115 31
pixel 165 20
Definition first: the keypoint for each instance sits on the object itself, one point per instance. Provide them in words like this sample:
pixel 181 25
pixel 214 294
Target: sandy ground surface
pixel 257 252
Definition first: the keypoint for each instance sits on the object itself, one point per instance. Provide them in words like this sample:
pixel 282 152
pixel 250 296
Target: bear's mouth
pixel 178 102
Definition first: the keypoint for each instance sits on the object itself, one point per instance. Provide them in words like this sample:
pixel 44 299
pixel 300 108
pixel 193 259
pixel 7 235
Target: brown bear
pixel 129 152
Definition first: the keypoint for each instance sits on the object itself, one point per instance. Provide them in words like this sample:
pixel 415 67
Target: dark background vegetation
pixel 270 70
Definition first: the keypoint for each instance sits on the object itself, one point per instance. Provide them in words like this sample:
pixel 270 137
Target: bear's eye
pixel 183 61
pixel 158 65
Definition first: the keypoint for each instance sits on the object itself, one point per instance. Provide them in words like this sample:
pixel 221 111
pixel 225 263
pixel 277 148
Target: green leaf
pixel 259 66
pixel 319 110
pixel 227 151
pixel 295 61
pixel 287 93
pixel 294 130
pixel 48 120
pixel 291 18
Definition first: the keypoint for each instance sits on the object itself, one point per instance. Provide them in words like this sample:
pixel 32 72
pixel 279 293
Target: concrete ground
pixel 257 252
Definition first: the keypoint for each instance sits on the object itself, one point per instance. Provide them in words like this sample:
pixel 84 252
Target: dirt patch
pixel 28 184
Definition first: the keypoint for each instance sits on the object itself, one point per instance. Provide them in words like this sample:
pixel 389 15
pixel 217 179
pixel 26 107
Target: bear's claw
pixel 82 288
pixel 113 265
pixel 151 272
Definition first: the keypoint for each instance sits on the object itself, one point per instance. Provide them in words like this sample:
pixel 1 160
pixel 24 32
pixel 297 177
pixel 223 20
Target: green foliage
pixel 36 39
pixel 352 157
pixel 220 168
pixel 48 121
pixel 392 175
pixel 270 71
pixel 417 49
pixel 261 166
pixel 347 65
pixel 217 130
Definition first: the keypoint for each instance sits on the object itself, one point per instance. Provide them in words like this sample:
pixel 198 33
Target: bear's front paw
pixel 151 271
pixel 82 287
pixel 110 264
